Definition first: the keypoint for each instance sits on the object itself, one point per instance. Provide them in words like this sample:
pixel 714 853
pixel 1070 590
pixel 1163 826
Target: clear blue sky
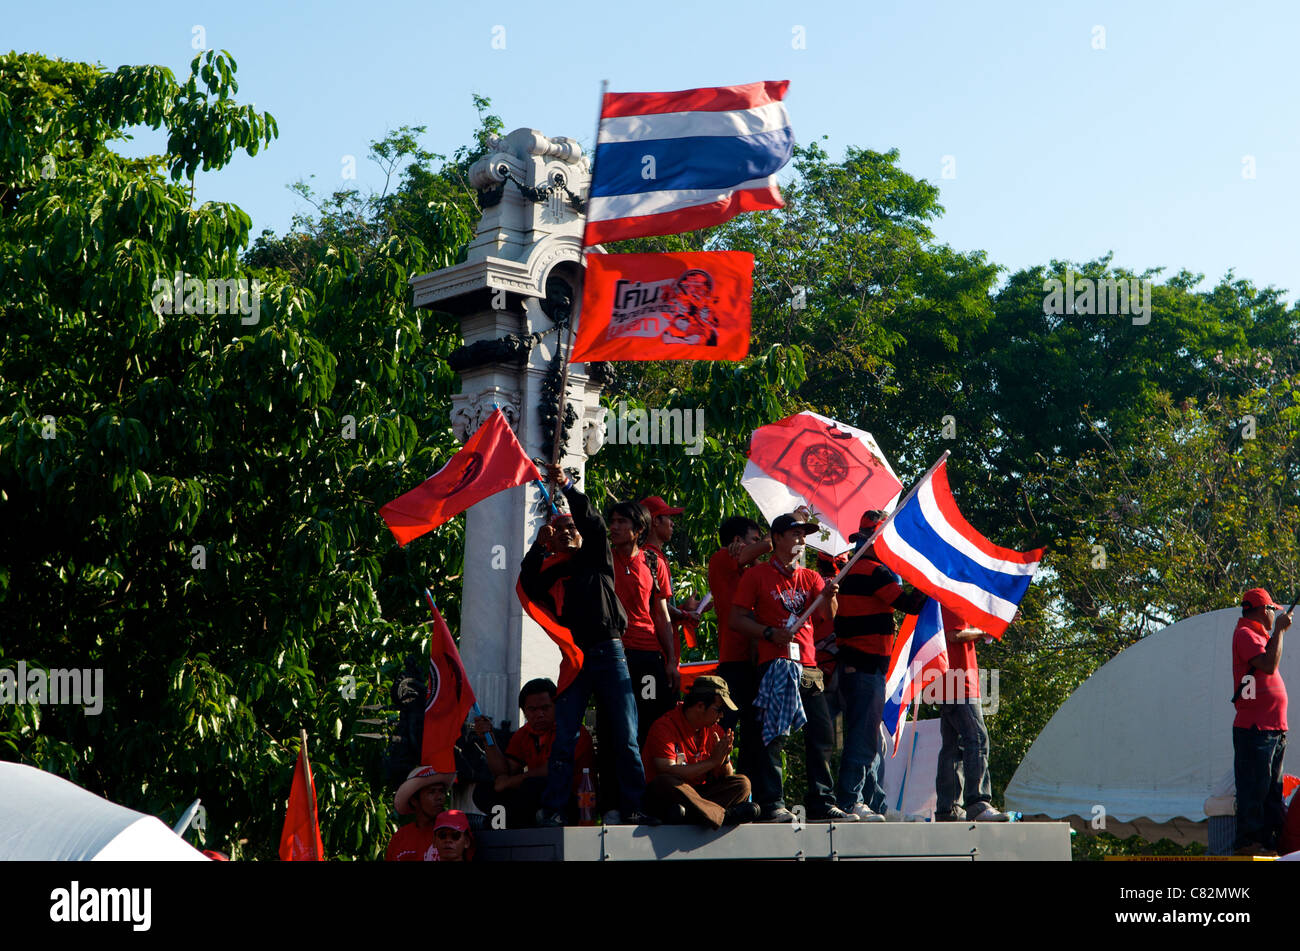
pixel 1060 150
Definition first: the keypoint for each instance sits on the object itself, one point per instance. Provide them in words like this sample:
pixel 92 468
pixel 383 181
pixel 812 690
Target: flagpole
pixel 311 784
pixel 567 342
pixel 862 549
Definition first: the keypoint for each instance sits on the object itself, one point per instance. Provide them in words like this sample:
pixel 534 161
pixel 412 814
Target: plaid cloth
pixel 778 698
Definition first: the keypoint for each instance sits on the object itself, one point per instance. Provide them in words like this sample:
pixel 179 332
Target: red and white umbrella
pixel 835 471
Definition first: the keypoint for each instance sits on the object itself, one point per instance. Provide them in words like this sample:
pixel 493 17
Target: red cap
pixel 452 819
pixel 1257 598
pixel 657 506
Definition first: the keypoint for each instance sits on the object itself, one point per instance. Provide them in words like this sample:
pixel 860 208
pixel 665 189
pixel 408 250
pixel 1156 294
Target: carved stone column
pixel 514 295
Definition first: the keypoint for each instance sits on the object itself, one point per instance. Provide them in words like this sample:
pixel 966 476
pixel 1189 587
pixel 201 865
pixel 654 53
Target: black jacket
pixel 591 607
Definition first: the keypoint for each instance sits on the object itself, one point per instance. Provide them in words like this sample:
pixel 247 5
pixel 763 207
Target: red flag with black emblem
pixel 665 307
pixel 570 652
pixel 491 461
pixel 448 700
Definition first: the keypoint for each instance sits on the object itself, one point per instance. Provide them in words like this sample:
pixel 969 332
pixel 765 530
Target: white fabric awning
pixel 44 817
pixel 1149 735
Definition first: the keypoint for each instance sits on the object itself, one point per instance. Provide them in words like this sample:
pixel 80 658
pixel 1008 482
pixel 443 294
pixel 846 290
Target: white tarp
pixel 908 778
pixel 44 817
pixel 1148 735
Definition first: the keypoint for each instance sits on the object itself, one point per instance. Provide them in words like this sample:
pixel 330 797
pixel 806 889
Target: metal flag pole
pixel 862 549
pixel 567 343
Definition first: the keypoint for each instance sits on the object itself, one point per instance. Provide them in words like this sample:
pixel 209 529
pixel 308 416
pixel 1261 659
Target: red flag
pixel 691 306
pixel 696 669
pixel 491 461
pixel 449 697
pixel 300 840
pixel 570 652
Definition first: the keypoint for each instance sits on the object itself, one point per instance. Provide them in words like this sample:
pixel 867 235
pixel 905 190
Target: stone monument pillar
pixel 514 295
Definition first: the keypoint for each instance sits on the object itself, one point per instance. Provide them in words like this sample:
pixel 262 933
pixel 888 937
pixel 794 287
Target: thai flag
pixel 919 649
pixel 668 162
pixel 930 545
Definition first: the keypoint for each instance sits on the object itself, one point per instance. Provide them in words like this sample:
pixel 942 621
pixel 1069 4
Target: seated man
pixel 424 794
pixel 452 836
pixel 520 773
pixel 688 762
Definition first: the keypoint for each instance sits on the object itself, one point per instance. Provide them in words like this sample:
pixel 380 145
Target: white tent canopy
pixel 44 817
pixel 1148 735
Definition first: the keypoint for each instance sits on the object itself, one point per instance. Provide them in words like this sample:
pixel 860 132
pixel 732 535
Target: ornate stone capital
pixel 470 411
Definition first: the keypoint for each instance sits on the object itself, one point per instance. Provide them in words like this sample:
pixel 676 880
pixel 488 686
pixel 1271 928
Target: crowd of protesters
pixel 662 755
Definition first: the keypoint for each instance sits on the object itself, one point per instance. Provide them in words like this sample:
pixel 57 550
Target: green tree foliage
pixel 190 491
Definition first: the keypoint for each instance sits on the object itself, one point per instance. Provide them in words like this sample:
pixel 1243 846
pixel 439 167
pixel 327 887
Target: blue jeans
pixel 1257 766
pixel 863 696
pixel 604 673
pixel 963 758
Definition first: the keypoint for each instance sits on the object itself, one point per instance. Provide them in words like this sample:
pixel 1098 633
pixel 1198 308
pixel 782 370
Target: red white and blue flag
pixel 668 162
pixel 933 547
pixel 920 655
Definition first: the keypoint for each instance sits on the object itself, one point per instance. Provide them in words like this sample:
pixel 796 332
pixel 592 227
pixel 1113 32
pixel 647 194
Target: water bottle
pixel 586 799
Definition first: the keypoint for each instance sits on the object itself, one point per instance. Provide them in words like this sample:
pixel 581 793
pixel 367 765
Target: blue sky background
pixel 1060 150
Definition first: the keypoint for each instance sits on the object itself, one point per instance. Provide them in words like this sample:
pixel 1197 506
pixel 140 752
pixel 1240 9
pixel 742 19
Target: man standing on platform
pixel 661 533
pixel 864 641
pixel 772 595
pixel 963 786
pixel 1259 730
pixel 743 544
pixel 643 592
pixel 688 763
pixel 579 590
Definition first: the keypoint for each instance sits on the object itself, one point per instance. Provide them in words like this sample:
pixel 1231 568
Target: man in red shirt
pixel 1259 730
pixel 423 794
pixel 661 533
pixel 687 759
pixel 648 640
pixel 520 772
pixel 770 597
pixel 743 543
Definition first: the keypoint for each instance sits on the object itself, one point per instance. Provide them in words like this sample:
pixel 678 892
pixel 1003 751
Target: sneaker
pixel 641 819
pixel 776 814
pixel 742 812
pixel 552 820
pixel 675 815
pixel 953 816
pixel 986 813
pixel 833 814
pixel 612 818
pixel 865 813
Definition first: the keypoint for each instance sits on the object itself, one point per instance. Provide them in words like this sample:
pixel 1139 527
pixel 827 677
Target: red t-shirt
pixel 632 582
pixel 1267 709
pixel 961 656
pixel 533 750
pixel 774 599
pixel 411 843
pixel 672 738
pixel 724 577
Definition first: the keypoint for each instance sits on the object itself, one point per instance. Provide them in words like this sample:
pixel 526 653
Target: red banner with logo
pixel 693 306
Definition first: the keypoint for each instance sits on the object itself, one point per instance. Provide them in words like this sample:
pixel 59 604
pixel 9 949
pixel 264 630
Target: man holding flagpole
pixel 770 597
pixel 580 594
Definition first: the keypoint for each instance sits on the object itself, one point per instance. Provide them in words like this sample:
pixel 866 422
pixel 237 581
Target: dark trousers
pixel 707 803
pixel 654 694
pixel 521 803
pixel 962 781
pixel 604 673
pixel 1257 765
pixel 742 682
pixel 818 741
